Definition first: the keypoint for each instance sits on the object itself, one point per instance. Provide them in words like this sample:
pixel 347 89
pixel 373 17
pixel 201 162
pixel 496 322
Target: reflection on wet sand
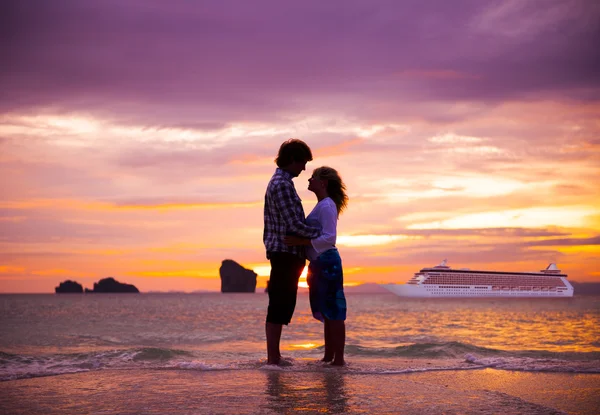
pixel 323 392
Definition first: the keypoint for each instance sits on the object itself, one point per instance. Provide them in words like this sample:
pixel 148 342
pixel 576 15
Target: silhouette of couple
pixel 290 239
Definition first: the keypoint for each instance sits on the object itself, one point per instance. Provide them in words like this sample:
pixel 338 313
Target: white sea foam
pixel 198 365
pixel 535 364
pixel 27 367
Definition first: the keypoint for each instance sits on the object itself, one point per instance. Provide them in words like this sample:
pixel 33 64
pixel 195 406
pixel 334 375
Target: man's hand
pixel 291 240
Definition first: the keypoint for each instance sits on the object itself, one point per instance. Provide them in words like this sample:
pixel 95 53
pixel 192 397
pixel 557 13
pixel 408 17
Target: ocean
pixel 205 353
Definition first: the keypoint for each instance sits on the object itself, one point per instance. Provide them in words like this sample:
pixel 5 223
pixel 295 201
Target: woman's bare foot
pixel 338 362
pixel 327 358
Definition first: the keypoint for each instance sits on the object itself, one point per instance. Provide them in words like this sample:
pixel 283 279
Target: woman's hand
pixel 291 240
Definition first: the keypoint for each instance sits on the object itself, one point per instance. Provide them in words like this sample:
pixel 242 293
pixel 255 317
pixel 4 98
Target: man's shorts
pixel 283 286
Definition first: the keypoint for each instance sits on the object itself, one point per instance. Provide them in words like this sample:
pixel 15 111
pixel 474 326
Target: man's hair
pixel 293 150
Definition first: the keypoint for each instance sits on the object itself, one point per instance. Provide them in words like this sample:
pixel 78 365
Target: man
pixel 284 215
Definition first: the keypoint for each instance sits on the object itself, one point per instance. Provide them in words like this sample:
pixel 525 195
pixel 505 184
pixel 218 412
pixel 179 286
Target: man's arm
pixel 285 202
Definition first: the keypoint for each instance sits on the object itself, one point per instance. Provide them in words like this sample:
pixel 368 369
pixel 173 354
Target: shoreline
pixel 356 365
pixel 273 390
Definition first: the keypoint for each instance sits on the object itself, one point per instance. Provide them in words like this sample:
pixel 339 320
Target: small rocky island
pixel 236 279
pixel 69 286
pixel 105 285
pixel 110 285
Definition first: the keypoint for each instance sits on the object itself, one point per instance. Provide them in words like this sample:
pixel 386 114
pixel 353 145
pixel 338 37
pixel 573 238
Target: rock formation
pixel 68 286
pixel 110 285
pixel 236 279
pixel 106 285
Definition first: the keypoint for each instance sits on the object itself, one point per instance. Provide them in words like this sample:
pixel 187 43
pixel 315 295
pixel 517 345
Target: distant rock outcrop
pixel 236 279
pixel 68 286
pixel 110 285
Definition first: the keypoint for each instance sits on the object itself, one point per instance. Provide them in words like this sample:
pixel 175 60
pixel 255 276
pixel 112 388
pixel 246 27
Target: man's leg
pixel 273 325
pixel 273 333
pixel 286 300
pixel 282 300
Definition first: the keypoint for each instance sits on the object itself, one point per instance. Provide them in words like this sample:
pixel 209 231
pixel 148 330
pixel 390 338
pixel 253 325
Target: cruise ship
pixel 443 281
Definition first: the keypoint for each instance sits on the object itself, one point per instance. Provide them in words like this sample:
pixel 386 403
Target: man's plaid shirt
pixel 284 215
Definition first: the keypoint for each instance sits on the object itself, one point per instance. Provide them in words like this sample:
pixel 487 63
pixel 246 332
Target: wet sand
pixel 276 391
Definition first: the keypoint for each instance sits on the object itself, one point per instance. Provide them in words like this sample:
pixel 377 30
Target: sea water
pixel 214 344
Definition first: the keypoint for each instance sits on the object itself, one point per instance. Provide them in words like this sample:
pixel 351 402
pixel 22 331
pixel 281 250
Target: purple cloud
pixel 215 61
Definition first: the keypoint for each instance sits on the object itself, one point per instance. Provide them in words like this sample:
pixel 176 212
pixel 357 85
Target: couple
pixel 289 238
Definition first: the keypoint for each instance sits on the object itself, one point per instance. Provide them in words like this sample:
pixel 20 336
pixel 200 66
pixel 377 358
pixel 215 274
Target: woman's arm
pixel 327 217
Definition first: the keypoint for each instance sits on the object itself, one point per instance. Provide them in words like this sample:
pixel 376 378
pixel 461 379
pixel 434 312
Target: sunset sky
pixel 137 137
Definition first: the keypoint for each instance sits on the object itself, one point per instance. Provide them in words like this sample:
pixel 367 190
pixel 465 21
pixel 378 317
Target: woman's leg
pixel 328 357
pixel 338 337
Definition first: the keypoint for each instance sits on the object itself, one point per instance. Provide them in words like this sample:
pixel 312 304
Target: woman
pixel 325 275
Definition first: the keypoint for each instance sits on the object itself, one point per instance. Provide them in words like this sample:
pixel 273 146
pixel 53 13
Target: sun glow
pixel 265 271
pixel 262 270
pixel 302 283
pixel 303 346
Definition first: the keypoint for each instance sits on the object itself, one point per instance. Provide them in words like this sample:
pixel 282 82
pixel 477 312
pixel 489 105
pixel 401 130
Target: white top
pixel 324 215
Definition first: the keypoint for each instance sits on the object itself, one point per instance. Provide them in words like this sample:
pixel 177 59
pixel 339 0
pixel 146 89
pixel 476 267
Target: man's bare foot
pixel 284 363
pixel 327 359
pixel 280 362
pixel 337 362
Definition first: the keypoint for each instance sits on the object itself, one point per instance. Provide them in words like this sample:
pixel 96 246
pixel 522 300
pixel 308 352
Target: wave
pixel 14 366
pixel 458 349
pixel 431 350
pixel 363 360
pixel 525 364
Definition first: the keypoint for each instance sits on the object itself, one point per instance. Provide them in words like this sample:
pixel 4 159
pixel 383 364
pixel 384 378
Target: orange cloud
pixel 58 273
pixel 7 269
pixel 339 149
pixel 70 204
pixel 184 273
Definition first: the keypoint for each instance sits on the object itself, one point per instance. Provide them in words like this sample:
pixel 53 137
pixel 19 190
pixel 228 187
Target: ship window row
pixel 492 279
pixel 496 288
pixel 513 282
pixel 536 288
pixel 495 277
pixel 457 286
pixel 494 294
pixel 497 281
pixel 482 274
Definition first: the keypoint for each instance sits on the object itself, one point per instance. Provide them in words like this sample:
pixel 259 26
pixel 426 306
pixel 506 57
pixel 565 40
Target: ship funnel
pixel 551 269
pixel 443 264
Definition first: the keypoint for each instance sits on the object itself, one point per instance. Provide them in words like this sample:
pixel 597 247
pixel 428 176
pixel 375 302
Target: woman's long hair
pixel 336 189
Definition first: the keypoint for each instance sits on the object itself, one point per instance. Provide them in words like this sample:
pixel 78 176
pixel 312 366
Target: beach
pixel 273 391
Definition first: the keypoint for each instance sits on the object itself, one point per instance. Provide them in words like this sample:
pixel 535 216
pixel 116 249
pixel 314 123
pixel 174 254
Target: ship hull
pixel 431 290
